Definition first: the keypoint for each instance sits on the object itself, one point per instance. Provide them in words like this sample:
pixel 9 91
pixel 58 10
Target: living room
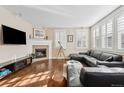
pixel 61 45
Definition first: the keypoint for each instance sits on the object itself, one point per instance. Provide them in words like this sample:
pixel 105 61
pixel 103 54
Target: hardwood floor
pixel 35 75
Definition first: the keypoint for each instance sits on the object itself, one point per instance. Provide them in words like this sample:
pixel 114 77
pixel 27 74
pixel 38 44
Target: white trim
pixel 38 59
pixel 59 57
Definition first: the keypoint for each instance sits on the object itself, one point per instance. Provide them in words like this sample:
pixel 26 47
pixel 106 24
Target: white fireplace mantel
pixel 32 42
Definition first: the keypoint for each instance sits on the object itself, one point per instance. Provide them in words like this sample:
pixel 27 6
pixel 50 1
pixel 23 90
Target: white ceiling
pixel 62 15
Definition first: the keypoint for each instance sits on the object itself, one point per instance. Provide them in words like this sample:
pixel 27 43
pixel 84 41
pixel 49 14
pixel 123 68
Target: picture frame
pixel 38 33
pixel 69 38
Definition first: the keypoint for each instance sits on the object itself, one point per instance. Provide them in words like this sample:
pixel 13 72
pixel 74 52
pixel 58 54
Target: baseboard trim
pixel 40 59
pixel 60 58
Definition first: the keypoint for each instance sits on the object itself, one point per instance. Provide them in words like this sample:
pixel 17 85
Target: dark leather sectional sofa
pixel 105 69
pixel 94 58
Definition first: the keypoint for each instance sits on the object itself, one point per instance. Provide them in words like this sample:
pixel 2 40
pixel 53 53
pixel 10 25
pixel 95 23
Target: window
pixel 109 34
pixel 120 31
pixel 103 36
pixel 61 37
pixel 82 39
pixel 97 38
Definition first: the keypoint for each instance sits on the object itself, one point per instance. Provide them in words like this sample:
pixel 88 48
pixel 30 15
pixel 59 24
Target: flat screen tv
pixel 13 36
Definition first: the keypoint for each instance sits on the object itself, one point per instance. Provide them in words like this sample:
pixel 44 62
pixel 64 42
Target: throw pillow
pixel 109 59
pixel 88 52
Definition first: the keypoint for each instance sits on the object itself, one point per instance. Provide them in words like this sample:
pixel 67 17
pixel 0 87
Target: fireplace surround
pixel 38 43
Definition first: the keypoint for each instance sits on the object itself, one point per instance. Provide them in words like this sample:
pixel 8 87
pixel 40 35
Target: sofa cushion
pixel 82 53
pixel 117 57
pixel 77 57
pixel 88 52
pixel 97 54
pixel 111 64
pixel 91 61
pixel 109 59
pixel 91 53
pixel 105 56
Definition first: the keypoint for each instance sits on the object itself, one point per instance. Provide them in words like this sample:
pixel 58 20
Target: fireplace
pixel 40 52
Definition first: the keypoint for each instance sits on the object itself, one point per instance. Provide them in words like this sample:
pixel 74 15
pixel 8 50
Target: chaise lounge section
pixel 102 77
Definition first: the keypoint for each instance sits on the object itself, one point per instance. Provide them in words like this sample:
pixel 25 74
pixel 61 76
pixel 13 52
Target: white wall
pixel 8 52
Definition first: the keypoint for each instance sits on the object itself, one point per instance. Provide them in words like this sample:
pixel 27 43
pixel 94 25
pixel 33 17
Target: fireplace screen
pixel 39 53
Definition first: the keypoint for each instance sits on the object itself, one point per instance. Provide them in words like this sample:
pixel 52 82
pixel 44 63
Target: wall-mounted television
pixel 13 36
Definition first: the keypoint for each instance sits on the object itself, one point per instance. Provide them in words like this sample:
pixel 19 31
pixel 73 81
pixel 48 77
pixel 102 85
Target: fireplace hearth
pixel 40 53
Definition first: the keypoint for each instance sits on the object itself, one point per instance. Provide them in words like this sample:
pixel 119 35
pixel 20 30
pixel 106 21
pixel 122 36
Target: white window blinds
pixel 103 36
pixel 61 37
pixel 97 38
pixel 109 34
pixel 120 31
pixel 94 40
pixel 82 39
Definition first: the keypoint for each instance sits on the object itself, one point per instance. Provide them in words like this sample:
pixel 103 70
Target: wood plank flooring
pixel 35 75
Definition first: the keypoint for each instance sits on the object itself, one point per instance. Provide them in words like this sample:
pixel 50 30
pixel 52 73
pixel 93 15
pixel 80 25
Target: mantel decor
pixel 38 33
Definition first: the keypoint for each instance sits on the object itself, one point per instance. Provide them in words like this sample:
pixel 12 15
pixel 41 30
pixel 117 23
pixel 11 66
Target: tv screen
pixel 13 36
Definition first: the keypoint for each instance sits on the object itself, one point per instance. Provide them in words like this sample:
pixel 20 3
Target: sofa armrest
pixel 111 64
